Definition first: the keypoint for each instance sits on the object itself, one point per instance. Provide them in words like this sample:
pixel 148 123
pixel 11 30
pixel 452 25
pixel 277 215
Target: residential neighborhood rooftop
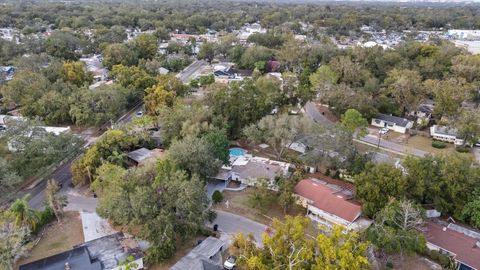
pixel 399 121
pixel 202 257
pixel 465 248
pixel 329 198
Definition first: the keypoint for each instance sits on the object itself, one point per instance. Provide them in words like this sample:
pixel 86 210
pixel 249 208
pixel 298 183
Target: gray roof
pixel 392 119
pixel 254 170
pixel 77 258
pixel 445 130
pixel 202 257
pixel 140 154
pixel 104 253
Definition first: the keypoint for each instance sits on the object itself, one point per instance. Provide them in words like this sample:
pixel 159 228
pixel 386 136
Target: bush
pixel 463 149
pixel 211 215
pixel 217 196
pixel 327 172
pixel 439 144
pixel 445 261
pixel 45 217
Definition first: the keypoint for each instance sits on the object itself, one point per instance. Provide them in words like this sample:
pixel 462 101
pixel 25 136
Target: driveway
pixel 313 113
pixel 230 224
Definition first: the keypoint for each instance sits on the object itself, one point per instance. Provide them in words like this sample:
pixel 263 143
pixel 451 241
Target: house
pixel 104 253
pixel 424 111
pixel 329 204
pixel 247 169
pixel 391 122
pixel 459 243
pixel 446 134
pixel 206 256
pixel 143 155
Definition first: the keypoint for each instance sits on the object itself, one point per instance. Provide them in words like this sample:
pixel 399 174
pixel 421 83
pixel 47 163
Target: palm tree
pixel 24 215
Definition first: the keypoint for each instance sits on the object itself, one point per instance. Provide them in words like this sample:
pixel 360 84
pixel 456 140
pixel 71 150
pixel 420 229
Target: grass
pixel 238 204
pixel 57 237
pixel 425 144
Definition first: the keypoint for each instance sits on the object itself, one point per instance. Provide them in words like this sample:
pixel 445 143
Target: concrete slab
pixel 95 227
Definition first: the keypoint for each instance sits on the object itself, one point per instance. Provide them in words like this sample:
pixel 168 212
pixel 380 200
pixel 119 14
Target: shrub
pixel 327 172
pixel 217 196
pixel 439 144
pixel 211 215
pixel 462 149
pixel 445 261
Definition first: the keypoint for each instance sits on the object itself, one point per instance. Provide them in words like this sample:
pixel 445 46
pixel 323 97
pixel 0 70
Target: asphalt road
pixel 394 147
pixel 313 113
pixel 230 224
pixel 63 174
pixel 186 75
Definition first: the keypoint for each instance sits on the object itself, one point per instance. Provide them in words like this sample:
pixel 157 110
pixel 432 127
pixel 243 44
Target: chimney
pixel 67 266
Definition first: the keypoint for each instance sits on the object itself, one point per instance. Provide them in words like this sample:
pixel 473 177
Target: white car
pixel 230 263
pixel 383 131
pixel 139 113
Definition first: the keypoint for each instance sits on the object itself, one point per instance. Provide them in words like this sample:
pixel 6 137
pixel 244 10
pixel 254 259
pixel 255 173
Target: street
pixel 372 140
pixel 187 74
pixel 63 174
pixel 230 224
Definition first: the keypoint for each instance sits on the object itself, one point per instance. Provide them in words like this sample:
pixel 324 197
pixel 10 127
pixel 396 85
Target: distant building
pixel 459 243
pixel 163 71
pixel 7 73
pixel 104 253
pixel 446 134
pixel 330 204
pixel 393 123
pixel 206 256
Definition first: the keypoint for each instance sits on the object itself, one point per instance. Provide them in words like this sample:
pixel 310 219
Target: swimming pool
pixel 237 152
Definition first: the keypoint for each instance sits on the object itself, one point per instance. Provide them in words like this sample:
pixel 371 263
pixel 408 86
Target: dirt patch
pixel 57 237
pixel 413 262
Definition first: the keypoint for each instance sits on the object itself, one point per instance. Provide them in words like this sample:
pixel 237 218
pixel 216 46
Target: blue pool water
pixel 237 152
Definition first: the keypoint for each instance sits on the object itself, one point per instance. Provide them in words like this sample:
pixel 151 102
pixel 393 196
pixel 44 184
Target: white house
pixel 330 205
pixel 391 122
pixel 446 134
pixel 247 170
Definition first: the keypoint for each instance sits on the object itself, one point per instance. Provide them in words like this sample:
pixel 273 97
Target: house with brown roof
pixel 455 241
pixel 329 204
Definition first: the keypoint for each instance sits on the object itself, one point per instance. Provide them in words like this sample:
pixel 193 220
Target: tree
pixel 467 67
pixel 218 143
pixel 118 54
pixel 406 88
pixel 448 95
pixel 23 215
pixel 195 155
pixel 288 247
pixel 286 196
pixel 280 132
pixel 8 177
pixel 255 54
pixel 134 79
pixel 207 52
pixel 471 212
pixel 55 201
pixel 323 80
pixel 145 46
pixel 62 44
pixel 469 126
pixel 156 98
pixel 352 121
pixel 395 228
pixel 261 198
pixel 376 185
pixel 74 72
pixel 12 244
pixel 217 196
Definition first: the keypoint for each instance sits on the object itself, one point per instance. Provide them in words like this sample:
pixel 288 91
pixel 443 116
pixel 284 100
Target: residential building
pixel 224 73
pixel 424 112
pixel 330 205
pixel 446 134
pixel 144 155
pixel 247 169
pixel 206 256
pixel 397 124
pixel 104 253
pixel 459 243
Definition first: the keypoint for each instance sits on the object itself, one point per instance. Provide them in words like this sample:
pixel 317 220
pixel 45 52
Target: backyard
pixel 57 237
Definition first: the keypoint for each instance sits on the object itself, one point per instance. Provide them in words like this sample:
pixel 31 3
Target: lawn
pixel 57 237
pixel 238 204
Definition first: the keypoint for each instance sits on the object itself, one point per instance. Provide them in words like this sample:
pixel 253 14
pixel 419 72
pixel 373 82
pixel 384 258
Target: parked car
pixel 383 131
pixel 139 113
pixel 230 263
